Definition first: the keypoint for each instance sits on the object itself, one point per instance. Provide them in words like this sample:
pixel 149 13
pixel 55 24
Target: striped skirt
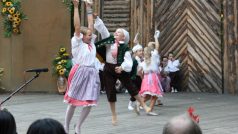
pixel 83 86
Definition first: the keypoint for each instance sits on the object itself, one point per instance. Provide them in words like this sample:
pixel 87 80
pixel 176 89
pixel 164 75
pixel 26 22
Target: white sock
pixel 68 116
pixel 84 113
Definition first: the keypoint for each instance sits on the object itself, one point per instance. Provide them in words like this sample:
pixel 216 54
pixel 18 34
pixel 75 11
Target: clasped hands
pixel 118 69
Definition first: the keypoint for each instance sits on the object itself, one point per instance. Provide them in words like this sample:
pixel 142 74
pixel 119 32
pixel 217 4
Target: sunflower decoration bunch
pixel 13 16
pixel 62 63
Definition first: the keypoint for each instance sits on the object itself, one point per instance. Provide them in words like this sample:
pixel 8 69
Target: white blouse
pixel 82 53
pixel 127 63
pixel 154 65
pixel 173 66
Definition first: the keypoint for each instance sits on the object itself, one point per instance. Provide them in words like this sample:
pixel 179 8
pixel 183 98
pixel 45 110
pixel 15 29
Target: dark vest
pixel 101 48
pixel 133 72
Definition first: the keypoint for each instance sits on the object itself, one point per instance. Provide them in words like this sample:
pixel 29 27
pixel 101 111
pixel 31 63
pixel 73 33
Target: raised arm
pixel 89 15
pixel 101 28
pixel 76 18
pixel 156 36
pixel 135 41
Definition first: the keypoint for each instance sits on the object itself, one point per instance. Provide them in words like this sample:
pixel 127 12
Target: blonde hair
pixel 84 30
pixel 151 45
pixel 147 55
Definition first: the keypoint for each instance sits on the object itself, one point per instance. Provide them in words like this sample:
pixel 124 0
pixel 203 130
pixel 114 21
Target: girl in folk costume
pixel 118 64
pixel 151 87
pixel 136 76
pixel 84 83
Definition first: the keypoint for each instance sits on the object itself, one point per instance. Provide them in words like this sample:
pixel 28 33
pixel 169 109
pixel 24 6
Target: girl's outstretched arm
pixel 76 18
pixel 156 36
pixel 89 15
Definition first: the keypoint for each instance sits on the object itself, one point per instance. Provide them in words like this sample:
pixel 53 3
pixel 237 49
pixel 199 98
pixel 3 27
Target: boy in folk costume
pixel 136 76
pixel 84 83
pixel 118 64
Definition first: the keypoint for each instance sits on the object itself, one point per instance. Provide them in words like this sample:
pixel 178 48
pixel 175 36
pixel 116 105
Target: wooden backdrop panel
pixel 191 29
pixel 231 46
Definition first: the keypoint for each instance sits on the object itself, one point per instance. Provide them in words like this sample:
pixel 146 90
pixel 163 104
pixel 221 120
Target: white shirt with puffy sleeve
pixel 154 64
pixel 83 54
pixel 127 63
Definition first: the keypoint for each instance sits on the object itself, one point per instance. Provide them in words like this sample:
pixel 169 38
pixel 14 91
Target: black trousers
pixel 175 80
pixel 110 78
pixel 137 81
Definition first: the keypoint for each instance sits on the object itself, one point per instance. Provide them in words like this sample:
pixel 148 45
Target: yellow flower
pixel 62 49
pixel 10 17
pixel 8 4
pixel 58 58
pixel 3 0
pixel 16 19
pixel 15 30
pixel 65 54
pixel 4 10
pixel 14 26
pixel 16 15
pixel 61 71
pixel 59 67
pixel 11 10
pixel 16 23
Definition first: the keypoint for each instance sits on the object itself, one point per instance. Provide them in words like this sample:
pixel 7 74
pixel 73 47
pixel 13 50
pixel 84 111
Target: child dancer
pixel 118 64
pixel 84 82
pixel 173 66
pixel 150 87
pixel 135 74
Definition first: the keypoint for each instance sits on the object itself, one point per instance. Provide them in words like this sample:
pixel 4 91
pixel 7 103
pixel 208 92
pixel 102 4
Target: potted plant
pixel 61 67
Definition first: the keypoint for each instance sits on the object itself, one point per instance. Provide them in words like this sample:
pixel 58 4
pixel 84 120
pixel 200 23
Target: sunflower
pixel 15 30
pixel 62 64
pixel 61 72
pixel 58 58
pixel 11 10
pixel 4 10
pixel 62 50
pixel 8 4
pixel 10 17
pixel 16 15
pixel 63 61
pixel 16 23
pixel 66 55
pixel 17 20
pixel 59 67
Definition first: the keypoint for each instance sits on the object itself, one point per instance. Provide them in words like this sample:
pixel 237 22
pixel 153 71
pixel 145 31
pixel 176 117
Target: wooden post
pixel 230 46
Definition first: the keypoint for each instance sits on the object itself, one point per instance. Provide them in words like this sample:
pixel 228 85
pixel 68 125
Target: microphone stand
pixel 16 91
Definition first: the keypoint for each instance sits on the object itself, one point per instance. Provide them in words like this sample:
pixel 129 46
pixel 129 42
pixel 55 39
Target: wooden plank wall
pixel 142 20
pixel 191 29
pixel 231 46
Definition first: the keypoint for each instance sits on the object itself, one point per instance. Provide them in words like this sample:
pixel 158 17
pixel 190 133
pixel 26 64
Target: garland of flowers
pixel 62 63
pixel 12 14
